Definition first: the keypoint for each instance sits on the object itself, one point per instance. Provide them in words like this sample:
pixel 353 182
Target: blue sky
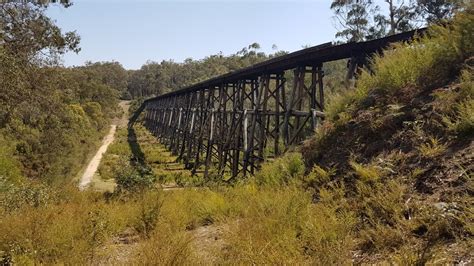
pixel 133 32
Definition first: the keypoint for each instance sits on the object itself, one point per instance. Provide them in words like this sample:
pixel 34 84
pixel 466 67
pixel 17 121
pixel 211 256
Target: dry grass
pixel 272 218
pixel 432 148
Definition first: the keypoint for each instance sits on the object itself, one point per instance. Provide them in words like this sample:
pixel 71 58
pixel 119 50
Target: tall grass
pixel 426 63
pixel 283 170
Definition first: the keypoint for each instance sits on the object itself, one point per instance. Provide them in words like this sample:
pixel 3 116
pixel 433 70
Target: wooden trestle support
pixel 234 126
pixel 229 124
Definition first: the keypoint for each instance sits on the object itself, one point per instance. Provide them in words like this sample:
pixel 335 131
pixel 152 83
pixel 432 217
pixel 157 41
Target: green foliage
pixel 134 105
pixel 150 207
pixel 464 123
pixel 94 112
pixel 341 104
pixel 424 64
pixel 366 20
pixel 131 179
pixel 10 173
pixel 427 62
pixel 28 236
pixel 457 105
pixel 111 74
pixel 156 78
pixel 318 177
pixel 28 33
pixel 353 16
pixel 167 247
pixel 282 225
pixel 15 197
pixel 282 171
pixel 61 121
pixel 366 173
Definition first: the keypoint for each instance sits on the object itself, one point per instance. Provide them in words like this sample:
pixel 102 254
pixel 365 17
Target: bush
pixel 81 225
pixel 432 148
pixel 268 228
pixel 10 173
pixel 150 204
pixel 464 123
pixel 426 63
pixel 282 171
pixel 423 64
pixel 366 173
pixel 318 177
pixel 166 246
pixel 132 180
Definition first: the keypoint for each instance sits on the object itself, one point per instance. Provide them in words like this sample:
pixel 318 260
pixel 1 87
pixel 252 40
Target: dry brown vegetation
pixel 396 189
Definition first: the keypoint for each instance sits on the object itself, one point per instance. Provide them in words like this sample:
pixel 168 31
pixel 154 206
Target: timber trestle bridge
pixel 229 124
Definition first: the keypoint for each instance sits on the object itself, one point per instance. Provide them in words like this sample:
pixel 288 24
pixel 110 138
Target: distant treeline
pixel 157 78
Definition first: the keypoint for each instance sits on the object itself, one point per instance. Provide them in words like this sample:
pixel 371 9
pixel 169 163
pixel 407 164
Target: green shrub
pixel 268 228
pixel 426 63
pixel 95 113
pixel 423 64
pixel 132 179
pixel 381 207
pixel 166 246
pixel 366 173
pixel 283 170
pixel 10 173
pixel 464 121
pixel 68 230
pixel 318 177
pixel 150 204
pixel 456 105
pixel 432 148
pixel 340 105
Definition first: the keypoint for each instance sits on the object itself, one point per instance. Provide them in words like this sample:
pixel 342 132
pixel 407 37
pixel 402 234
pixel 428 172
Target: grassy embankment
pixel 397 188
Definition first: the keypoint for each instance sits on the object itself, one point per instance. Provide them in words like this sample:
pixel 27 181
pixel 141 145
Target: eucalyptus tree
pixel 28 33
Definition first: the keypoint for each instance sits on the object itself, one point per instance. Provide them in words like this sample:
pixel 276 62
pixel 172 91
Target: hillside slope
pixel 401 147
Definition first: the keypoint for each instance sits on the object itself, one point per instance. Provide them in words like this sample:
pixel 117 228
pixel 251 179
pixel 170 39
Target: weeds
pixel 432 148
pixel 368 173
pixel 464 120
pixel 150 205
pixel 282 171
pixel 423 64
pixel 318 177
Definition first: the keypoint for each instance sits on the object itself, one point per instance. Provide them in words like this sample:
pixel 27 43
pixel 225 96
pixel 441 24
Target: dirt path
pixel 88 174
pixel 94 163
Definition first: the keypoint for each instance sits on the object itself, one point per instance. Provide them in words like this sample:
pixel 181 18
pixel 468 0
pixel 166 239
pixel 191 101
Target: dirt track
pixel 94 163
pixel 88 174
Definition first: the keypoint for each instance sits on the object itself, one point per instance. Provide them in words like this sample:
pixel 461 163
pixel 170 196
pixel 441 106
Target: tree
pixel 158 78
pixel 437 10
pixel 364 20
pixel 27 32
pixel 401 16
pixel 353 16
pixel 110 73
